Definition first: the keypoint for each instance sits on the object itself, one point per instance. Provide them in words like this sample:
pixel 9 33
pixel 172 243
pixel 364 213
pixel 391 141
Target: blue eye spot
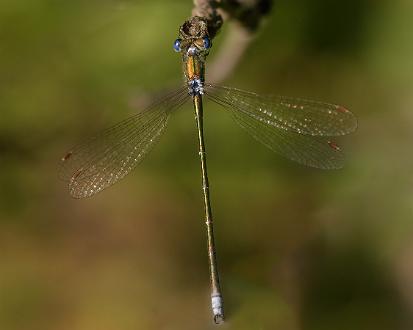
pixel 177 45
pixel 207 43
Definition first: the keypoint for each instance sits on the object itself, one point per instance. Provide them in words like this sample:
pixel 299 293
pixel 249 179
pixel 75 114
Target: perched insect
pixel 298 129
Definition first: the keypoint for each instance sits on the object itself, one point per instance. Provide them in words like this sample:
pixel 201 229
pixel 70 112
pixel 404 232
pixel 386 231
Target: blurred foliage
pixel 298 248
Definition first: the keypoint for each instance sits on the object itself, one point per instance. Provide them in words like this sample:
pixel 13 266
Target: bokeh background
pixel 298 248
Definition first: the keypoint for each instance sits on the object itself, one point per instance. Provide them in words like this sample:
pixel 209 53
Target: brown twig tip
pixel 249 13
pixel 207 9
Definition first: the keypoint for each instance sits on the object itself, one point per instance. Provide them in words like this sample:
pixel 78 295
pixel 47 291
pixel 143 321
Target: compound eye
pixel 207 43
pixel 177 45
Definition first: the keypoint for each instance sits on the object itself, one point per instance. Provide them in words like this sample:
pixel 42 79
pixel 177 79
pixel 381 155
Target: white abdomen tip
pixel 217 308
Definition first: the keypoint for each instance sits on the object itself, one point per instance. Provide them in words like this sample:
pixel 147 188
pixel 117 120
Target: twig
pixel 247 14
pixel 229 54
pixel 207 9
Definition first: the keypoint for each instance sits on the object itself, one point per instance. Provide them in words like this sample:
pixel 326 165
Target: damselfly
pixel 298 129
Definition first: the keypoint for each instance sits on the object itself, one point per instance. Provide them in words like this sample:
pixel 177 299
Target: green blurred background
pixel 298 248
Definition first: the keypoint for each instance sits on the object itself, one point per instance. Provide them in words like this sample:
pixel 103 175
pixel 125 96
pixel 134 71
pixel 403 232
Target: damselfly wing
pixel 106 158
pixel 300 130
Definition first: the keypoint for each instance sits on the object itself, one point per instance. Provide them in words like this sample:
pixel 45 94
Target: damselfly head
pixel 193 38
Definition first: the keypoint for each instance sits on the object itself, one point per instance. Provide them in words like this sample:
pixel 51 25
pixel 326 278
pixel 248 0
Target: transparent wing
pixel 107 157
pixel 291 114
pixel 307 149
